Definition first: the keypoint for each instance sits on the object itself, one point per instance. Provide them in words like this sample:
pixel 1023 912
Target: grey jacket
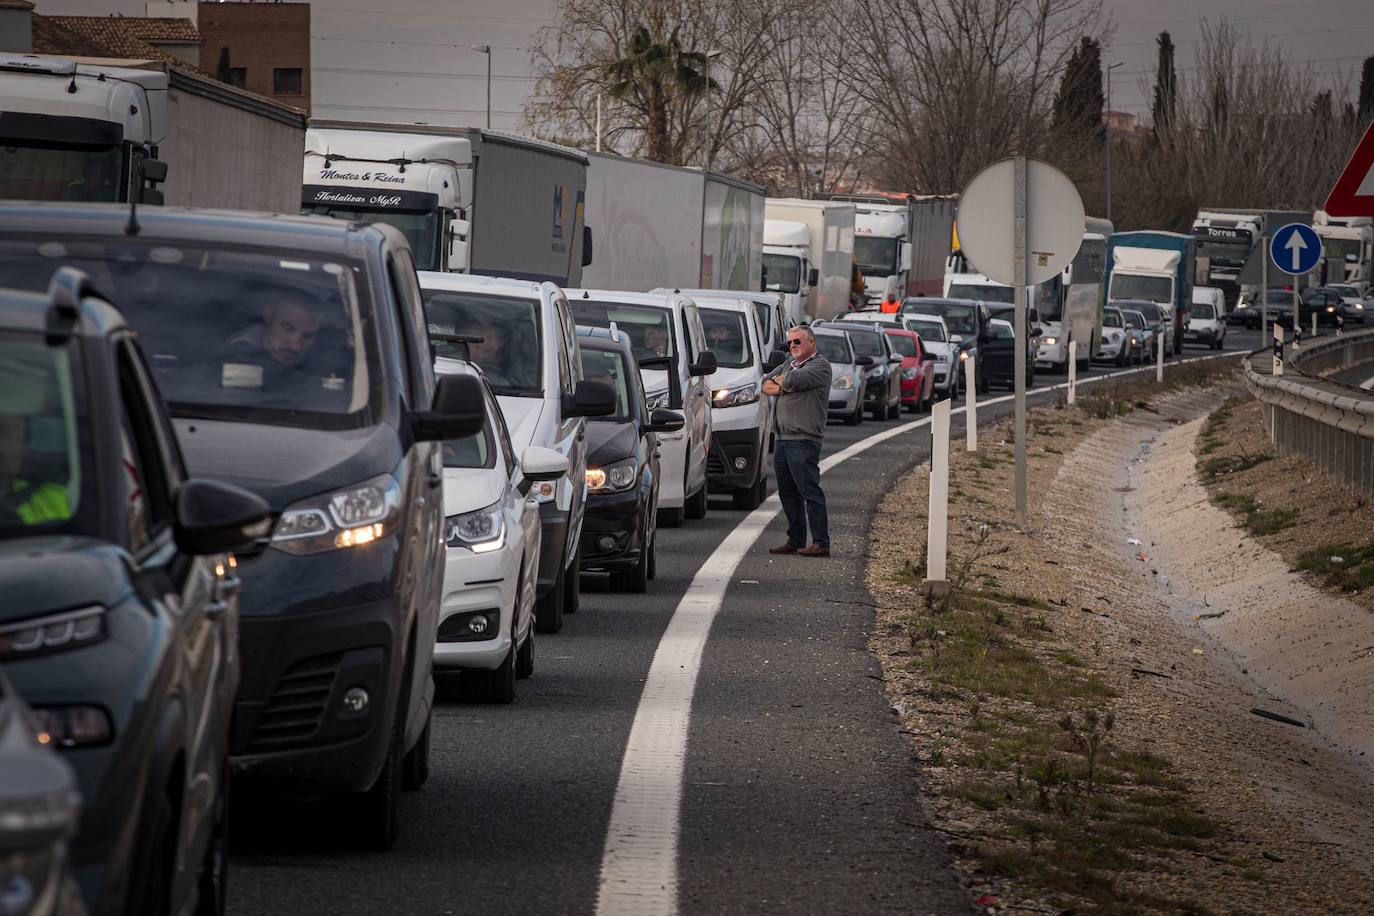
pixel 805 401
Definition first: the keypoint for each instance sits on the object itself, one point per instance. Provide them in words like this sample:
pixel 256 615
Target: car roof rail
pixel 65 291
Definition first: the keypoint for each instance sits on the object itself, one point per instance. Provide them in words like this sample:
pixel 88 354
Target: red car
pixel 918 369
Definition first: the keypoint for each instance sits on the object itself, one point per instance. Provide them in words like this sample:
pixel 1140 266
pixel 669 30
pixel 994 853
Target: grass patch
pixel 1237 501
pixel 1271 521
pixel 1343 566
pixel 1225 465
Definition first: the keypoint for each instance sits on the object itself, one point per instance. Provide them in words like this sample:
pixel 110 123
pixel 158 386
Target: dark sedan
pixel 119 624
pixel 999 355
pixel 619 530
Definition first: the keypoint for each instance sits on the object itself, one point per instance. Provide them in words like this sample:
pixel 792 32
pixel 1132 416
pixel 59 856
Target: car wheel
pixel 894 410
pixel 982 383
pixel 572 597
pixel 748 498
pixel 376 818
pixel 855 418
pixel 653 557
pixel 548 611
pixel 213 882
pixel 696 504
pixel 670 518
pixel 524 658
pixel 415 771
pixel 152 880
pixel 635 581
pixel 497 686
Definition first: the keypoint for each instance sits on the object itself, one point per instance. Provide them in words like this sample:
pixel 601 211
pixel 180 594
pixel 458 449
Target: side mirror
pixel 214 517
pixel 458 249
pixel 928 358
pixel 586 246
pixel 895 358
pixel 774 360
pixel 664 421
pixel 590 399
pixel 705 364
pixel 457 410
pixel 956 338
pixel 1037 331
pixel 905 261
pixel 863 361
pixel 538 463
pixel 813 278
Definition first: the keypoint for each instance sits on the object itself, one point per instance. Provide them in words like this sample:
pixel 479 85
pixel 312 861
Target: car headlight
pixel 349 517
pixel 52 633
pixel 964 356
pixel 1049 341
pixel 1114 336
pixel 613 477
pixel 657 400
pixel 735 397
pixel 1359 305
pixel 875 372
pixel 480 531
pixel 1330 308
pixel 844 382
pixel 909 375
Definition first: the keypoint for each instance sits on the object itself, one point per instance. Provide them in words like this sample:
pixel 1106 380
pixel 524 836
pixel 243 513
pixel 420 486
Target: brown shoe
pixel 783 550
pixel 815 550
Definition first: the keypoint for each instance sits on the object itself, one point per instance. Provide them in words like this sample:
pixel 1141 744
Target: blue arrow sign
pixel 1296 249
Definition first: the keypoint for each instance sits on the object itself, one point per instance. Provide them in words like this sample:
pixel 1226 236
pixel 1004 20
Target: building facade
pixel 261 47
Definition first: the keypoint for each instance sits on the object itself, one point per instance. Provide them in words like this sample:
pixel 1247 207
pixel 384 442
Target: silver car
pixel 847 376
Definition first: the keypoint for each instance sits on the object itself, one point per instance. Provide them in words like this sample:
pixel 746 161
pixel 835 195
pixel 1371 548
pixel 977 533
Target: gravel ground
pixel 1262 817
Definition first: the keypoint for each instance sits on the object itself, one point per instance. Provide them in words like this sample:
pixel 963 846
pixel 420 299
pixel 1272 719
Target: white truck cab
pixel 670 345
pixel 882 249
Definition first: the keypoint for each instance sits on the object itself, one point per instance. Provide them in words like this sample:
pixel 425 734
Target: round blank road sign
pixel 987 221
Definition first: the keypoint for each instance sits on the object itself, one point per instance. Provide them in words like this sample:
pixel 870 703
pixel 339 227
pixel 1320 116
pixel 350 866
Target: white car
pixel 491 564
pixel 935 338
pixel 670 345
pixel 1118 343
pixel 1353 304
pixel 773 320
pixel 1205 326
pixel 521 334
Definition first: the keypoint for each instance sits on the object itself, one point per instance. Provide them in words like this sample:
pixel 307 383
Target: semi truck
pixel 1155 266
pixel 1347 248
pixel 808 255
pixel 105 131
pixel 901 242
pixel 468 200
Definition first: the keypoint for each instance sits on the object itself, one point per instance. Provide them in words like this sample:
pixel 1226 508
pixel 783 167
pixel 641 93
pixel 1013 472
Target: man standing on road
pixel 802 387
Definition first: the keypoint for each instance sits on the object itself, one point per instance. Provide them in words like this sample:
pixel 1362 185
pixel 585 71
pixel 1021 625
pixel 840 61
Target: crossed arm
pixel 815 374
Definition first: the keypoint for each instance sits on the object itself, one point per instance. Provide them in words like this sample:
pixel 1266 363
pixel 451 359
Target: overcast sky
pixel 409 60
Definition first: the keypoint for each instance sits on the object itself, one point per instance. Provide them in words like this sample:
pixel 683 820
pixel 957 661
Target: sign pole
pixel 1264 290
pixel 1018 271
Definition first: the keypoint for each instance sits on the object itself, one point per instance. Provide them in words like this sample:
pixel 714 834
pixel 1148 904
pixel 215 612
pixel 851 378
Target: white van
pixel 665 331
pixel 521 334
pixel 741 417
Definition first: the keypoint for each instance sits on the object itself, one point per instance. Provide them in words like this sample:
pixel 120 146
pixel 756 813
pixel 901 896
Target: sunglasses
pixel 794 343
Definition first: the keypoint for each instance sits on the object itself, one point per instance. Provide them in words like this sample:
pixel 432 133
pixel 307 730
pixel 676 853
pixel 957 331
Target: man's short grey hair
pixel 805 329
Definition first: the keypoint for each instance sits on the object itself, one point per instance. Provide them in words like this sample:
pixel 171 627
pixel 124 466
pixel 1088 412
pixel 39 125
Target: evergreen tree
pixel 1366 111
pixel 1166 86
pixel 222 69
pixel 1079 101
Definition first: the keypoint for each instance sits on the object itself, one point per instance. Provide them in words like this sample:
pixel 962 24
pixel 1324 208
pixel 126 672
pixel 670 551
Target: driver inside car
pixel 281 354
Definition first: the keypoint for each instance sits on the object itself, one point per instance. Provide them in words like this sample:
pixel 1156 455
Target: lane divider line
pixel 639 874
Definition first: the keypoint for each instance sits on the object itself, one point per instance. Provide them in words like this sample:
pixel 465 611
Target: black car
pixel 293 354
pixel 39 808
pixel 118 624
pixel 999 356
pixel 1008 314
pixel 619 529
pixel 968 323
pixel 882 393
pixel 1323 302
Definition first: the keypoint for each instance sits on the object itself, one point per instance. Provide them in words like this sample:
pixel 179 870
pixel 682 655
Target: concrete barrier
pixel 1328 422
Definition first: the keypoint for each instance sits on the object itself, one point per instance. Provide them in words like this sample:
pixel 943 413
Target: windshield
pixel 958 318
pixel 782 273
pixel 1279 297
pixel 84 174
pixel 867 345
pixel 232 334
pixel 421 229
pixel 650 328
pixel 905 346
pixel 1152 312
pixel 985 293
pixel 608 367
pixel 508 344
pixel 1203 310
pixel 1111 319
pixel 1347 250
pixel 877 256
pixel 834 348
pixel 46 480
pixel 1347 292
pixel 1132 286
pixel 929 330
pixel 727 336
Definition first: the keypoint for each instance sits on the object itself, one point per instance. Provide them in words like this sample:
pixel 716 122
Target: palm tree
pixel 652 73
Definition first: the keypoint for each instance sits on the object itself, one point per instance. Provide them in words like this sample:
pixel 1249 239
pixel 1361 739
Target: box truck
pixel 808 255
pixel 95 130
pixel 1156 266
pixel 468 200
pixel 901 242
pixel 663 226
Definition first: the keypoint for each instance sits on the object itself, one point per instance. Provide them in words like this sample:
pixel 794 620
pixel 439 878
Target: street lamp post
pixel 486 49
pixel 1110 68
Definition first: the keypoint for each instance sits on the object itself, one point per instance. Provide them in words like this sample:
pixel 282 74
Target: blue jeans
pixel 797 467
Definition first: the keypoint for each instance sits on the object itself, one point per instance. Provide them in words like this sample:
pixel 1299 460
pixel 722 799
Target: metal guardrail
pixel 1325 421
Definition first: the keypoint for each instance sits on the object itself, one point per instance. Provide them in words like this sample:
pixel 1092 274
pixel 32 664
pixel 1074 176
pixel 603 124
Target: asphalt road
pixel 799 792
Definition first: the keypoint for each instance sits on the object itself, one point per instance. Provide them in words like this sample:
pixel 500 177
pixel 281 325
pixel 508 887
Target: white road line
pixel 639 865
pixel 1367 383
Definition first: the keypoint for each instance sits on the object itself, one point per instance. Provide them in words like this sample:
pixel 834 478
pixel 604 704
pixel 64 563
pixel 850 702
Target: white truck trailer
pixel 808 255
pixel 468 200
pixel 1347 247
pixel 99 130
pixel 665 226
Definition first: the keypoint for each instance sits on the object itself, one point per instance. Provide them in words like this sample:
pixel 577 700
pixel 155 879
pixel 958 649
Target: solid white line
pixel 639 864
pixel 1367 383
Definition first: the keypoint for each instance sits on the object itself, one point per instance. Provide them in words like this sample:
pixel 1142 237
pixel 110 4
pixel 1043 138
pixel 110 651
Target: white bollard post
pixel 1073 370
pixel 937 527
pixel 1159 356
pixel 1278 350
pixel 970 406
pixel 1314 324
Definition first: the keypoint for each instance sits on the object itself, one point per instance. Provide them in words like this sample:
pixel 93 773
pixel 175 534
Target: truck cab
pixel 787 266
pixel 881 249
pixel 1157 267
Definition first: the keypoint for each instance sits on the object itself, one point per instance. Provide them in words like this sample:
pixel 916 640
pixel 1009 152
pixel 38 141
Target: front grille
pixel 297 705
